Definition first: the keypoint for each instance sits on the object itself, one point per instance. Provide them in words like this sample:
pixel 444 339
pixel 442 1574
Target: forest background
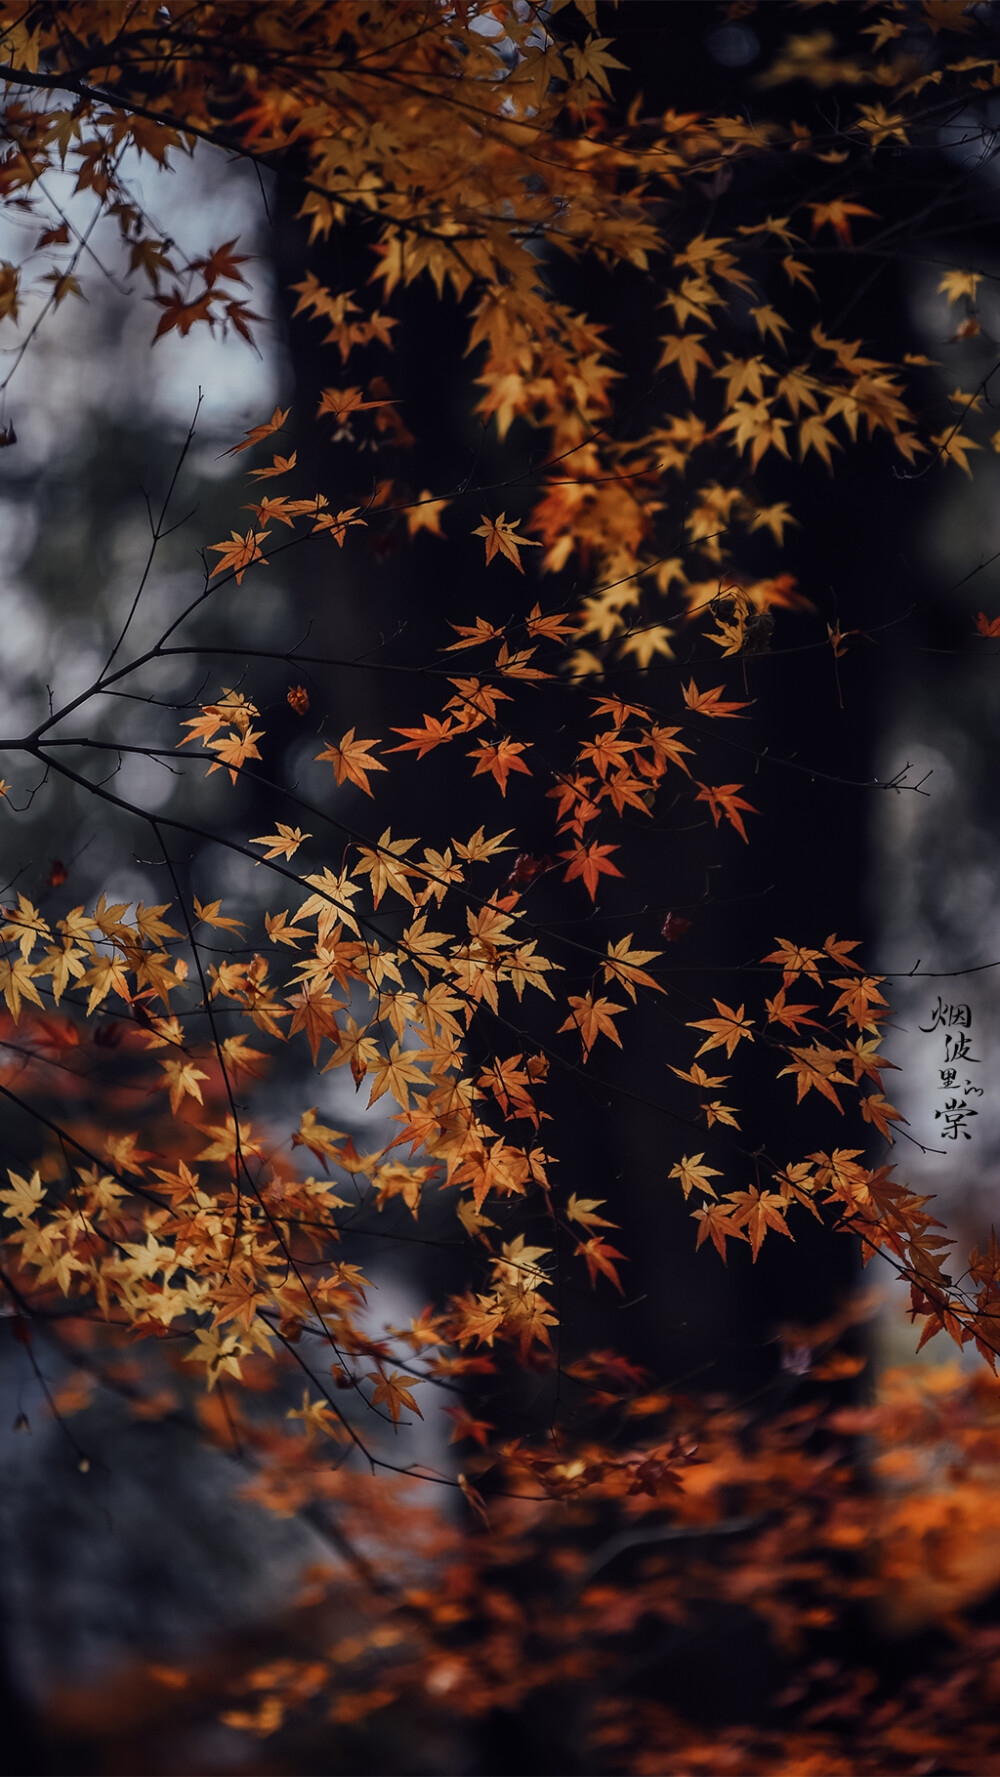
pixel 458 928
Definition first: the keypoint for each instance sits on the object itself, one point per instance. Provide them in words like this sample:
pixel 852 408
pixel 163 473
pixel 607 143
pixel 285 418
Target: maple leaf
pixel 394 1073
pixel 466 1427
pixel 727 1029
pixel 553 627
pixel 583 1210
pixel 877 1110
pixel 109 974
pixel 23 1199
pixel 273 511
pixel 795 960
pixel 837 215
pixel 394 1392
pixel 589 861
pixel 724 799
pixel 282 844
pixel 698 1077
pixel 598 1255
pixel 384 867
pixel 337 524
pixel 352 760
pixel 316 1416
pixel 837 948
pixel 779 1012
pixel 499 760
pixel 592 1018
pixel 757 1211
pixel 709 703
pixel 279 466
pixel 63 285
pixel 797 273
pixel 238 553
pixel 498 535
pixel 592 61
pixel 816 1067
pixel 717 1112
pixel 859 994
pixel 956 284
pixel 182 1077
pixel 815 435
pixel 222 263
pixel 955 446
pixel 314 1011
pixel 211 916
pixel 988 626
pixel 423 740
pixel 769 321
pixel 317 1137
pixel 179 313
pixel 425 514
pixel 625 965
pixel 690 1172
pixel 342 402
pixel 715 1220
pixel 233 751
pixel 687 352
pixel 473 634
pixel 231 1142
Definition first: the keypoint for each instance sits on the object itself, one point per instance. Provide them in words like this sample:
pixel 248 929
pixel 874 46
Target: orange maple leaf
pixel 394 1392
pixel 498 535
pixel 553 627
pixel 590 862
pixel 816 1066
pixel 715 1220
pixel 790 1016
pixel 836 215
pixel 795 960
pixel 423 740
pixel 500 760
pixel 724 799
pixel 238 553
pixel 708 703
pixel 598 1256
pixel 859 996
pixel 758 1211
pixel 837 948
pixel 256 433
pixel 592 1018
pixel 727 1029
pixel 351 760
pixel 279 466
pixel 341 402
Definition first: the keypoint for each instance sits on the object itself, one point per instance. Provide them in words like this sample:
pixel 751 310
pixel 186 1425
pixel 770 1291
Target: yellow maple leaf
pixel 284 843
pixel 690 1171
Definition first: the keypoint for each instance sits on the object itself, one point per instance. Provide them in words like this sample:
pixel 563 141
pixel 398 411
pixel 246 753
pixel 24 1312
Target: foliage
pixel 456 972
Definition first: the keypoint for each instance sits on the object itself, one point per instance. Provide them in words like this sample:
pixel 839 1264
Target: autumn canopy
pixel 415 1138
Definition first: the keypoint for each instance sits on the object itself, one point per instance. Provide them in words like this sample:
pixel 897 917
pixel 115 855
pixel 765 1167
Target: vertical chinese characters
pixel 955 1021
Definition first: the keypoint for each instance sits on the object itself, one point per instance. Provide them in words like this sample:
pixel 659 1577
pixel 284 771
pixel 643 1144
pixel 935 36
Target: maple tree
pixel 470 950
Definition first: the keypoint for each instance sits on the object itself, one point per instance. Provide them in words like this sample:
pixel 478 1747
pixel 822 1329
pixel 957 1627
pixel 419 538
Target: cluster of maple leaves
pixel 461 137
